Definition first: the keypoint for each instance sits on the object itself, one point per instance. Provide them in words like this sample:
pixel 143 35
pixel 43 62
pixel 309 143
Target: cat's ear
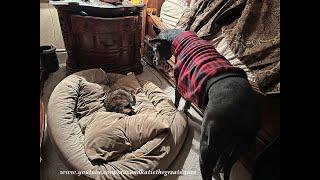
pixel 107 104
pixel 133 99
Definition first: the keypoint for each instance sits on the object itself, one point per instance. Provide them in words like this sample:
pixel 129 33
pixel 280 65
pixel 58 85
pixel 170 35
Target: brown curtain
pixel 252 29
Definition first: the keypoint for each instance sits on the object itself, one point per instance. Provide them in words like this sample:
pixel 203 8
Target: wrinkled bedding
pixel 171 12
pixel 109 135
pixel 251 29
pixel 90 139
pixel 246 32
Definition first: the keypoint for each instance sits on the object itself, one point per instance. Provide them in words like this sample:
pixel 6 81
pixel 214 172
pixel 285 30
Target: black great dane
pixel 231 108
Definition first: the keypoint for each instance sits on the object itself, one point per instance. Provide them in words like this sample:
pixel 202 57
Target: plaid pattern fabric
pixel 197 61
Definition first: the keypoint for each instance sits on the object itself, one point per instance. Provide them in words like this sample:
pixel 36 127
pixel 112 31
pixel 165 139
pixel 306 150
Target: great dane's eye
pixel 155 47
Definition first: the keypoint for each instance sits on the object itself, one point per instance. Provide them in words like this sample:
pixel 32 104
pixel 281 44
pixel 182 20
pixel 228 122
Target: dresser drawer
pixel 102 35
pixel 98 25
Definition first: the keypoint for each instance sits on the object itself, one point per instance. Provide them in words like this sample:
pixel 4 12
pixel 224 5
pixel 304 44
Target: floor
pixel 187 160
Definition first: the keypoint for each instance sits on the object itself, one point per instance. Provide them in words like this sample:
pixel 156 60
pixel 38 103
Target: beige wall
pixel 50 32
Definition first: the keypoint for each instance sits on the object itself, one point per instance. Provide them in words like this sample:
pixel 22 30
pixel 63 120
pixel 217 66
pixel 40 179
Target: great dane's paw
pixel 216 176
pixel 185 110
pixel 176 105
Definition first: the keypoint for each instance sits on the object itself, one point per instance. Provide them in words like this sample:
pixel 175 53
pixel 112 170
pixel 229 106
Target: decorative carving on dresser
pixel 107 38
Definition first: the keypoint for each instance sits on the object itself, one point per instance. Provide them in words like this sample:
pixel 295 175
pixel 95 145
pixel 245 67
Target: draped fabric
pixel 251 28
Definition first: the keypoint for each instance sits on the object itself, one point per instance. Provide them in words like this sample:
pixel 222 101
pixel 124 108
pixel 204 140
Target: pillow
pixel 104 138
pixel 90 98
pixel 143 127
pixel 111 135
pixel 92 75
pixel 128 83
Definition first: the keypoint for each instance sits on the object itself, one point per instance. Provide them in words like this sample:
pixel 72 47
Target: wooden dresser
pixel 102 38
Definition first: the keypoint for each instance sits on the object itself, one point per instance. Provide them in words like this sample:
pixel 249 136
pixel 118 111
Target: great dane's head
pixel 162 43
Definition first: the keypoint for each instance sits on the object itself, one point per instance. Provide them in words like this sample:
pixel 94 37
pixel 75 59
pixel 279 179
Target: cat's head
pixel 120 101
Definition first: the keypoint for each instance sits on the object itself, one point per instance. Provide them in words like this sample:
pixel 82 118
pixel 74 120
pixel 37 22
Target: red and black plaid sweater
pixel 197 61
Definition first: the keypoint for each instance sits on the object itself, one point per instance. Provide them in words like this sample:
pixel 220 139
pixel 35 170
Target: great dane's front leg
pixel 177 98
pixel 177 94
pixel 187 106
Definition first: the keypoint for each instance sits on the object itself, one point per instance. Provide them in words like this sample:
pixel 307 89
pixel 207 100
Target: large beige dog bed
pixel 108 145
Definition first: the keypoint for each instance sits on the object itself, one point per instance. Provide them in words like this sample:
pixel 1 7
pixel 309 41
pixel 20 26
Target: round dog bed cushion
pixel 71 115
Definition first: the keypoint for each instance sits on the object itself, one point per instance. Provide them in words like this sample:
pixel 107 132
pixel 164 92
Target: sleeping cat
pixel 120 101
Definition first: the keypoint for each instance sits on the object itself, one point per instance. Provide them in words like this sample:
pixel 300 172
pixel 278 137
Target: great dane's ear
pixel 156 30
pixel 155 40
